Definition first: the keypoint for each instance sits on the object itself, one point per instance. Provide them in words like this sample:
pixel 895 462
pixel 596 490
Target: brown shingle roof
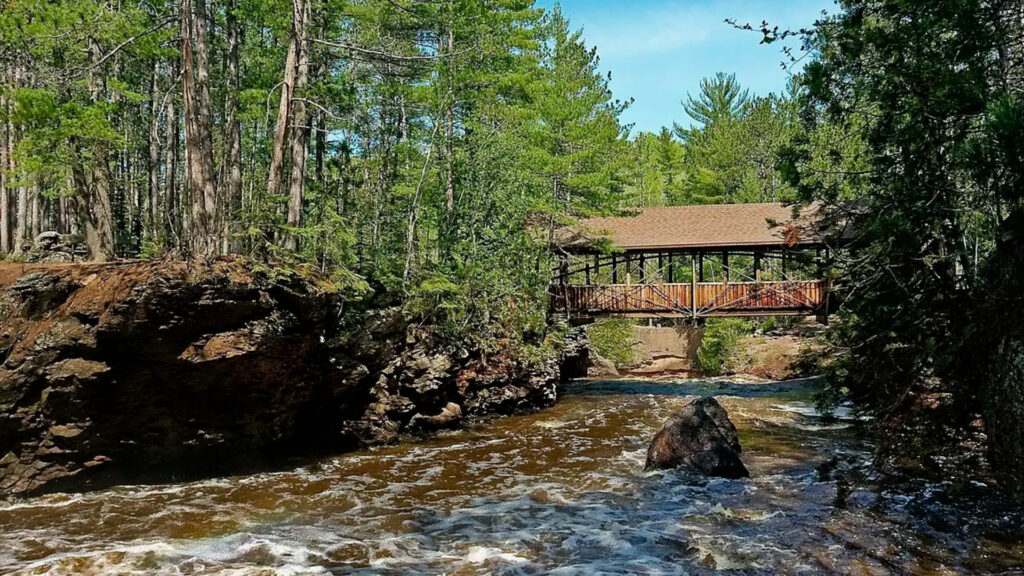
pixel 704 226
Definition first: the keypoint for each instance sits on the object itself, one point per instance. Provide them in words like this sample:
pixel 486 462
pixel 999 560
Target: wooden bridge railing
pixel 695 299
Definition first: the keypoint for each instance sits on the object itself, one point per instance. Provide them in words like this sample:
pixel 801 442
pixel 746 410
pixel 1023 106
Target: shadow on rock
pixel 701 438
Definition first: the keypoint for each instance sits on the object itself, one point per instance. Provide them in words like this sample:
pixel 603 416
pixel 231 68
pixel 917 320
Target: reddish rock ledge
pixel 162 370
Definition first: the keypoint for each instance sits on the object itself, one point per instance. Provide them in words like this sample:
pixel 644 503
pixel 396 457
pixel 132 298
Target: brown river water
pixel 558 492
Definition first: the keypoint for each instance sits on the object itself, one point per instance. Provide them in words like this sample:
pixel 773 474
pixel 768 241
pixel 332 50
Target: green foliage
pixel 613 339
pixel 442 136
pixel 576 144
pixel 923 234
pixel 720 98
pixel 912 142
pixel 741 151
pixel 736 157
pixel 657 174
pixel 719 344
pixel 778 323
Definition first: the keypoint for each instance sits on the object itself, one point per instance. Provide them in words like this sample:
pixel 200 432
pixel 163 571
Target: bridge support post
pixel 693 288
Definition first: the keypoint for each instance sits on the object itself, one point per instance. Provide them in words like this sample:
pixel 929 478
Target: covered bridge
pixel 694 262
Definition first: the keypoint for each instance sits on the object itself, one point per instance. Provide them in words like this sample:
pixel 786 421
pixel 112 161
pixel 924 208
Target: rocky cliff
pixel 162 370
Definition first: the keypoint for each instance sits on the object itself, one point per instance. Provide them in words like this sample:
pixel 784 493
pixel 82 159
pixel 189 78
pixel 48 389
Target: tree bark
pixel 299 121
pixel 21 218
pixel 199 168
pixel 20 195
pixel 449 187
pixel 99 223
pixel 233 161
pixel 172 210
pixel 152 225
pixel 6 144
pixel 36 209
pixel 94 197
pixel 276 170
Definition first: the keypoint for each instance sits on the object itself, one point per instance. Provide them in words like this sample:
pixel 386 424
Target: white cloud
pixel 657 27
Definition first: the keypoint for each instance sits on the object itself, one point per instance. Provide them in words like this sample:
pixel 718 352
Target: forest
pixel 429 150
pixel 419 146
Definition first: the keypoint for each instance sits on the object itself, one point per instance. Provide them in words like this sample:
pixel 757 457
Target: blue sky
pixel 658 50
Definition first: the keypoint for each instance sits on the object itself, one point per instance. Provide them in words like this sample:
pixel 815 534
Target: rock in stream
pixel 701 438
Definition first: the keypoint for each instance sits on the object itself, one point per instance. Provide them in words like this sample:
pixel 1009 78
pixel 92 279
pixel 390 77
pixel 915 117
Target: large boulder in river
pixel 701 438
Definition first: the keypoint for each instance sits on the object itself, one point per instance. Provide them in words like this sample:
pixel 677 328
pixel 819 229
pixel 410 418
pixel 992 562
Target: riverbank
pixel 670 352
pixel 152 370
pixel 562 489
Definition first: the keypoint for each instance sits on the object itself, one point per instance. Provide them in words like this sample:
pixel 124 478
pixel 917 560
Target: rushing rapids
pixel 562 491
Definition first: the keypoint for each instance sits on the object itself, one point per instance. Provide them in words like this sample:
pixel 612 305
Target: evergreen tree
pixel 735 155
pixel 720 98
pixel 578 144
pixel 657 168
pixel 922 102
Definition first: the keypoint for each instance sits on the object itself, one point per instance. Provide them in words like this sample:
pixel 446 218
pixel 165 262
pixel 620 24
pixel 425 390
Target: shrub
pixel 613 339
pixel 719 346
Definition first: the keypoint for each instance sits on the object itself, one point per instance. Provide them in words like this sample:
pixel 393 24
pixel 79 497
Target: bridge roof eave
pixel 688 248
pixel 698 227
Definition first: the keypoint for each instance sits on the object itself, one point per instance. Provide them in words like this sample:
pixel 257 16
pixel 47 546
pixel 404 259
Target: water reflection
pixel 560 492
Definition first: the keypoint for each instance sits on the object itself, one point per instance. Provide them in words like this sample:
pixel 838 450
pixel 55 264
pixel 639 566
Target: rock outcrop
pixel 160 370
pixel 55 247
pixel 601 367
pixel 701 438
pixel 576 355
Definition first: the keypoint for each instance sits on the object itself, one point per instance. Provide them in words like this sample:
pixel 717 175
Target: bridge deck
pixel 696 300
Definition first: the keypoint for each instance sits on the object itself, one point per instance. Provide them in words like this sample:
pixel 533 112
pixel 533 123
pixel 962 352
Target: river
pixel 558 492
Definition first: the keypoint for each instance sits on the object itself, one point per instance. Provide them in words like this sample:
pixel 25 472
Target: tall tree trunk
pixel 99 219
pixel 299 121
pixel 199 168
pixel 63 225
pixel 320 70
pixel 94 196
pixel 152 226
pixel 36 210
pixel 172 208
pixel 276 170
pixel 47 213
pixel 6 145
pixel 449 126
pixel 233 161
pixel 135 218
pixel 92 201
pixel 20 193
pixel 321 151
pixel 22 218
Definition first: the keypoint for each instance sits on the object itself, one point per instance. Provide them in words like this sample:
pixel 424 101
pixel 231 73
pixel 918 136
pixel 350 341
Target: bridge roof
pixel 702 226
